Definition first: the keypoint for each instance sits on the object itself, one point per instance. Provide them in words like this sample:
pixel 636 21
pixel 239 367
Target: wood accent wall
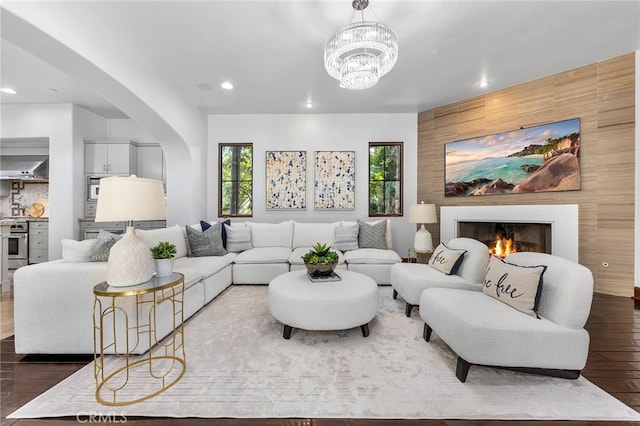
pixel 602 95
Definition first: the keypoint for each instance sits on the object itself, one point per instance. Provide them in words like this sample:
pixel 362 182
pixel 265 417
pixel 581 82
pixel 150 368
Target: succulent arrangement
pixel 163 250
pixel 320 254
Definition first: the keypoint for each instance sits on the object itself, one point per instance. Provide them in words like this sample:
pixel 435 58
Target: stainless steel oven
pixel 18 245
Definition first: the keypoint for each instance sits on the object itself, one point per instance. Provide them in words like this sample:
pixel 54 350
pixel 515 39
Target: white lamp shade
pixel 130 198
pixel 423 213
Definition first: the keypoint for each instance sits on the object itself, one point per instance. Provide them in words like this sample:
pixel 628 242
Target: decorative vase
pixel 320 269
pixel 164 267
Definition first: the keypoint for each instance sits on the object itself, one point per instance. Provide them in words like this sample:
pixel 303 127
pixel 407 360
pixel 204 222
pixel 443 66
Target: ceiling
pixel 272 51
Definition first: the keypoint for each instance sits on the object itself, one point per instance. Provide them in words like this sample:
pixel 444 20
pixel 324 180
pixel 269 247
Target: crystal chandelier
pixel 362 52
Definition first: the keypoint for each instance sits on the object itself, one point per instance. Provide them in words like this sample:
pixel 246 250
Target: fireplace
pixel 556 234
pixel 504 238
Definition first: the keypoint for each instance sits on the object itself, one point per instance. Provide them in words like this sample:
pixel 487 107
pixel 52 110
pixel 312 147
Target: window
pixel 385 178
pixel 235 190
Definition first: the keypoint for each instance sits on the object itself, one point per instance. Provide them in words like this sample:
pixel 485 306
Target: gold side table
pixel 122 318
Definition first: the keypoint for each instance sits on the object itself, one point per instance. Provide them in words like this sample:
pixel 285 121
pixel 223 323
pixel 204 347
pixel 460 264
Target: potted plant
pixel 163 254
pixel 320 261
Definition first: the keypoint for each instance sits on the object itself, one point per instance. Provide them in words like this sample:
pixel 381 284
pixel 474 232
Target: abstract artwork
pixel 534 159
pixel 335 185
pixel 286 180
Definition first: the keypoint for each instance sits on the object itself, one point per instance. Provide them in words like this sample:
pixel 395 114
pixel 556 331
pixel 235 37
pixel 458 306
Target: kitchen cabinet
pixel 110 158
pixel 38 241
pixel 90 229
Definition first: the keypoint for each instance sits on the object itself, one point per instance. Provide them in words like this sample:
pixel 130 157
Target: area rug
pixel 238 365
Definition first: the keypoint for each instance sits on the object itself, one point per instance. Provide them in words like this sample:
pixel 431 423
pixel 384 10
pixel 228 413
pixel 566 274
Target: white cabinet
pixel 151 162
pixel 110 158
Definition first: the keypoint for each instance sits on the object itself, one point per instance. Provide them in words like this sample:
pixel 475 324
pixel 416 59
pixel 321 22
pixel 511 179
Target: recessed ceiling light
pixel 309 104
pixel 8 90
pixel 484 83
pixel 227 85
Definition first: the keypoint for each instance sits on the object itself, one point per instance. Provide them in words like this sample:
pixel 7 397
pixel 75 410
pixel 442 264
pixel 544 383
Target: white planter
pixel 164 267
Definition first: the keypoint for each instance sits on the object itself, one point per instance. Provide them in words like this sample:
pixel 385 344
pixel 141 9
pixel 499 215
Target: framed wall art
pixel 286 180
pixel 534 159
pixel 335 180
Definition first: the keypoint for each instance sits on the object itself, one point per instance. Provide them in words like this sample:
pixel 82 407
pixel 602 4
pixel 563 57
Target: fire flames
pixel 503 247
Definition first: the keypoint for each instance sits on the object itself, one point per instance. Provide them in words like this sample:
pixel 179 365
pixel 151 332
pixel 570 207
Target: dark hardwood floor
pixel 613 364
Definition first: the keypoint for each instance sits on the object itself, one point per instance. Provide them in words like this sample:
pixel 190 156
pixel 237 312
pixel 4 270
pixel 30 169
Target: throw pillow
pixel 446 260
pixel 77 251
pixel 372 236
pixel 104 242
pixel 346 237
pixel 223 231
pixel 238 238
pixel 517 286
pixel 206 243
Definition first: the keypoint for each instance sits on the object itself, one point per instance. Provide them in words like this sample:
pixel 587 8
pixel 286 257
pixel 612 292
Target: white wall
pixel 340 132
pixel 65 125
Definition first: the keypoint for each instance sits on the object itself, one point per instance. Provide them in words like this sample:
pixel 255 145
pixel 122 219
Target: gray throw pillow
pixel 104 241
pixel 372 236
pixel 238 238
pixel 206 243
pixel 346 237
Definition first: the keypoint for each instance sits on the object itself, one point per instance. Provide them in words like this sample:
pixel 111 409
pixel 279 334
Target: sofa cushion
pixel 372 256
pixel 77 251
pixel 346 237
pixel 517 286
pixel 104 241
pixel 173 234
pixel 196 268
pixel 446 260
pixel 308 234
pixel 271 234
pixel 238 237
pixel 205 243
pixel 296 256
pixel 264 255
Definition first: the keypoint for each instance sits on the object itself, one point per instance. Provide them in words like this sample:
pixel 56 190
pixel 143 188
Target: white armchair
pixel 484 331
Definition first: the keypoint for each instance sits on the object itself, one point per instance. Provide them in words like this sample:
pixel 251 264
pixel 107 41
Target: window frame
pixel 222 145
pixel 400 179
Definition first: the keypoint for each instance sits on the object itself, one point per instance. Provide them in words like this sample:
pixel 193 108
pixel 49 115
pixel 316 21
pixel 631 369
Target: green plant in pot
pixel 163 255
pixel 320 260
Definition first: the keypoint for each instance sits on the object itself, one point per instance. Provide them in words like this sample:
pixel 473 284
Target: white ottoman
pixel 297 302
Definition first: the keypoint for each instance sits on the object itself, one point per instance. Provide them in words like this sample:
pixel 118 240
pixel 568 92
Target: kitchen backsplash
pixel 21 196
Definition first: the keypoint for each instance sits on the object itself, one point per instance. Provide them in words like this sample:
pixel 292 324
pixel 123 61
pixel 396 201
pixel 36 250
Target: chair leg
pixel 462 369
pixel 395 294
pixel 427 332
pixel 407 309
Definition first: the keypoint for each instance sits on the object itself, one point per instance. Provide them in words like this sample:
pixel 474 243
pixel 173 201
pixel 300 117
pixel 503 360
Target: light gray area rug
pixel 238 365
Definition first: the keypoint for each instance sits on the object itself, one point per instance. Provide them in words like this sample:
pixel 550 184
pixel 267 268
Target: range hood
pixel 24 167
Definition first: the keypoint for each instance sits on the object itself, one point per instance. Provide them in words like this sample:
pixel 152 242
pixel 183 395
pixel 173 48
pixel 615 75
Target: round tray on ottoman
pixel 297 302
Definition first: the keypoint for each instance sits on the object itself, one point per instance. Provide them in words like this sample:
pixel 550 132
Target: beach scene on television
pixel 535 159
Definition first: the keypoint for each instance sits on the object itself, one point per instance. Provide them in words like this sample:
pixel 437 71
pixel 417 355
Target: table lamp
pixel 127 199
pixel 423 213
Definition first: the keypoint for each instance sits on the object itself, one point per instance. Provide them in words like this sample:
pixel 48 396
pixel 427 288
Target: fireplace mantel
pixel 563 219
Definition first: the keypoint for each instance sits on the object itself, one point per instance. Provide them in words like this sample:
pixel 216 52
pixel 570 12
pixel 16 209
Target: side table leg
pixel 365 329
pixel 287 332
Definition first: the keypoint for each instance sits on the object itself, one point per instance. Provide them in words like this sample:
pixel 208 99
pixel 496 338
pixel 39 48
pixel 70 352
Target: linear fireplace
pixel 549 228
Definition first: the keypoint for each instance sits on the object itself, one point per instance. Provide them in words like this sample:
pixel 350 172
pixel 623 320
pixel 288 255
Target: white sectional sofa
pixel 53 301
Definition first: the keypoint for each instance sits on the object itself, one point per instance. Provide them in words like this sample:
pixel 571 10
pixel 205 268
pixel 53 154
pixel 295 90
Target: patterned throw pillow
pixel 206 243
pixel 446 260
pixel 223 232
pixel 517 286
pixel 346 237
pixel 238 238
pixel 104 242
pixel 372 236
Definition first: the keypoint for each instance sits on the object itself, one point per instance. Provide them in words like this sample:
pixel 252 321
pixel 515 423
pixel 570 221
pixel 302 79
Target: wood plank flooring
pixel 613 364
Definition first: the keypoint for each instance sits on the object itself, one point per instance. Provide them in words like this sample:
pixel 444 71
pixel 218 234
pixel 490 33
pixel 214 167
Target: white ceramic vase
pixel 164 267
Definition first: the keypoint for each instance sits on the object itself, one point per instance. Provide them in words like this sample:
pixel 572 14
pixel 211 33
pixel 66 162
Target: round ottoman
pixel 297 302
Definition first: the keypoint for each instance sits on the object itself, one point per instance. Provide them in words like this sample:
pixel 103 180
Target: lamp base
pixel 422 241
pixel 130 261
